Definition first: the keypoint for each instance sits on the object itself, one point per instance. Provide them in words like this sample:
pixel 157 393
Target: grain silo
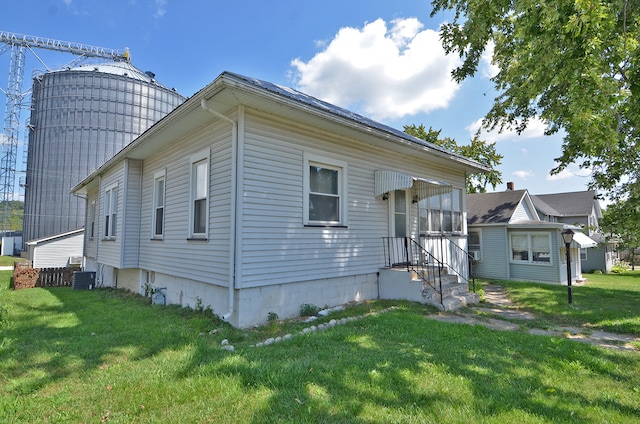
pixel 80 118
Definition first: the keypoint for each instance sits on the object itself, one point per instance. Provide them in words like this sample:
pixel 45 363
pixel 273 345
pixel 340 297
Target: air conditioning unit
pixel 75 260
pixel 83 280
pixel 475 254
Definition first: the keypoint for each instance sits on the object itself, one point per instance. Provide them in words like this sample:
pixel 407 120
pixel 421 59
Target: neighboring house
pixel 582 209
pixel 57 251
pixel 509 241
pixel 254 198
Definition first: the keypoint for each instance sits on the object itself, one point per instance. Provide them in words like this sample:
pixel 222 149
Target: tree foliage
pixel 622 221
pixel 478 150
pixel 575 64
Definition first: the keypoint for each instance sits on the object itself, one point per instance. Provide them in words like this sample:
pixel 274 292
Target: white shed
pixel 57 251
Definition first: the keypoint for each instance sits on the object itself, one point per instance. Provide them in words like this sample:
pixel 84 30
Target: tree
pixel 622 221
pixel 478 150
pixel 575 64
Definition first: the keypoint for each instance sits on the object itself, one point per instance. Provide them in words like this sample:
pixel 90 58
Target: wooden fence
pixel 26 277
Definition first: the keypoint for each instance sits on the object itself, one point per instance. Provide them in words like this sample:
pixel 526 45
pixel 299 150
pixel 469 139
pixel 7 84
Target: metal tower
pixel 18 44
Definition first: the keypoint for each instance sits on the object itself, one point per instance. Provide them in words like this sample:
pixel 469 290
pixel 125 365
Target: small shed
pixel 57 251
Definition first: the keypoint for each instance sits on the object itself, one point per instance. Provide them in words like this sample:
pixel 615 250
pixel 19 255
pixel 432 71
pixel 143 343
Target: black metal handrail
pixel 471 279
pixel 406 252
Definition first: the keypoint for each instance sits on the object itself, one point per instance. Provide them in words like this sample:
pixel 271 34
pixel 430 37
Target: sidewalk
pixel 501 314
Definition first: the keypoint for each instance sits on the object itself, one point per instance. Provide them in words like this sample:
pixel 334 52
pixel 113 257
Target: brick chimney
pixel 510 186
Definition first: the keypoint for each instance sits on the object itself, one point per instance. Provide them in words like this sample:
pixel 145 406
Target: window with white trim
pixel 110 211
pixel 441 212
pixel 199 198
pixel 531 247
pixel 324 191
pixel 92 219
pixel 475 244
pixel 157 217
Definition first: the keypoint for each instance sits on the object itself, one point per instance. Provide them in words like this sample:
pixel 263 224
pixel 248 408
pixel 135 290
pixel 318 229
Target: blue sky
pixel 380 58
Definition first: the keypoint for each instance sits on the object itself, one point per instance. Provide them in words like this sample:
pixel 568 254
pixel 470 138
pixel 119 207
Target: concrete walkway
pixel 501 314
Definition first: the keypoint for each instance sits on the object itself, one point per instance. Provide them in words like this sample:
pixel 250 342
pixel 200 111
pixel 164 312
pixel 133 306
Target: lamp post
pixel 567 236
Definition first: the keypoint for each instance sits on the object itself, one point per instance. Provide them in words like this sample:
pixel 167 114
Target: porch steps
pixel 396 283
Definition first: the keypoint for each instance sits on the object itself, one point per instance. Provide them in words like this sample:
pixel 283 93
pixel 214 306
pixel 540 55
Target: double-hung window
pixel 199 202
pixel 324 192
pixel 110 209
pixel 531 247
pixel 441 212
pixel 157 217
pixel 92 219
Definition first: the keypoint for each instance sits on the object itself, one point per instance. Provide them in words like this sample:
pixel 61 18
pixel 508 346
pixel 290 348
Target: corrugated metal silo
pixel 80 118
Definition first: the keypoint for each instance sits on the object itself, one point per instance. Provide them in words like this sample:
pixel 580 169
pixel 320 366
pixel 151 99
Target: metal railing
pixel 430 252
pixel 455 257
pixel 405 252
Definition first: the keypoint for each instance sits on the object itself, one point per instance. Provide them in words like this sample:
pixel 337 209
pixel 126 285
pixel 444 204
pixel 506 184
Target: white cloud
pixel 160 8
pixel 534 129
pixel 487 68
pixel 385 72
pixel 523 174
pixel 569 172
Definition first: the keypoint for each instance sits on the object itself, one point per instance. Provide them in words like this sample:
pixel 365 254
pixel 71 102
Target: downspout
pixel 234 202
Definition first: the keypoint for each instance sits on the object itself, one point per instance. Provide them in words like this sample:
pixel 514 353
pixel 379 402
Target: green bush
pixel 307 309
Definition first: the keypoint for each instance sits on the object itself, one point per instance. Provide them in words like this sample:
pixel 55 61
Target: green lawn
pixel 106 356
pixel 9 260
pixel 607 301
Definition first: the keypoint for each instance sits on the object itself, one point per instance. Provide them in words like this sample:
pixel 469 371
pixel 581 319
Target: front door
pixel 399 213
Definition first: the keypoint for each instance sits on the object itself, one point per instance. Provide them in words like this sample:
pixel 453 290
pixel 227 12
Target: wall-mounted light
pixel 385 196
pixel 415 199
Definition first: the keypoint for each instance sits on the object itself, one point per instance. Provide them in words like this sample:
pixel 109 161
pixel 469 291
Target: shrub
pixel 307 309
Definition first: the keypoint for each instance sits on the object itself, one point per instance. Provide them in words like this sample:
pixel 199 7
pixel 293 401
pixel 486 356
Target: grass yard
pixel 610 302
pixel 107 356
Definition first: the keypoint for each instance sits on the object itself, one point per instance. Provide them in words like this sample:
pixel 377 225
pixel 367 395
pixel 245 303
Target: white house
pixel 254 198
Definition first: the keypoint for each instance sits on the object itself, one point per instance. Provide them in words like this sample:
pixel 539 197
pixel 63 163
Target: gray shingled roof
pixel 493 208
pixel 565 204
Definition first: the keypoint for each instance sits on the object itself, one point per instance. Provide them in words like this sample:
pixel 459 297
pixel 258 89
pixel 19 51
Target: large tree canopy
pixel 478 150
pixel 572 63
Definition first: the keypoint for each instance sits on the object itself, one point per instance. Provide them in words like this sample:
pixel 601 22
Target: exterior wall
pixel 523 212
pixel 597 259
pixel 55 253
pixel 272 221
pixel 254 304
pixel 128 279
pixel 91 243
pixel 207 261
pixel 110 250
pixel 281 263
pixel 495 255
pixel 131 198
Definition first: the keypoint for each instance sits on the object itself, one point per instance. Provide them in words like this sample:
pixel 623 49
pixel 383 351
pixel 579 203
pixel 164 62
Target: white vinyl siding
pixel 109 251
pixel 131 198
pixel 273 204
pixel 176 255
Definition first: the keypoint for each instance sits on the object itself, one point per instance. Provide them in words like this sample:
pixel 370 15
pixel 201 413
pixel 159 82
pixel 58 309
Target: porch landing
pixel 398 283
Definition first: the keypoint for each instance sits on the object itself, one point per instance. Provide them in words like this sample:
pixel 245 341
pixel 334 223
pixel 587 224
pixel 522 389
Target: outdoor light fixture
pixel 567 236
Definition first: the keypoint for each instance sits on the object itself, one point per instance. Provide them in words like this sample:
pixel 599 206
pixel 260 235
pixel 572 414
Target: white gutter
pixel 234 196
